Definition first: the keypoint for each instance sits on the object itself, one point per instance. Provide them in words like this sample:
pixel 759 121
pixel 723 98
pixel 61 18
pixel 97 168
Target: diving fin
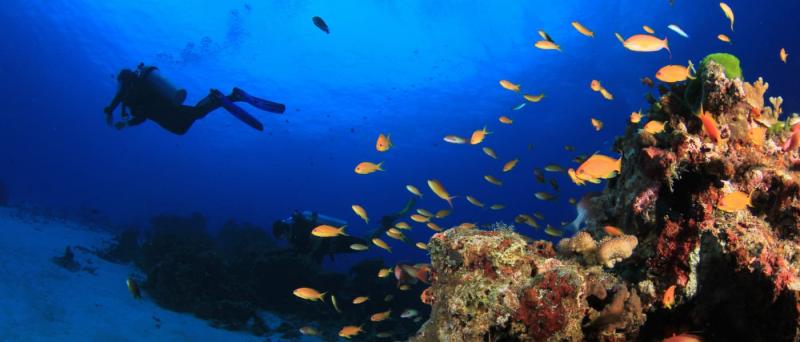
pixel 265 105
pixel 240 114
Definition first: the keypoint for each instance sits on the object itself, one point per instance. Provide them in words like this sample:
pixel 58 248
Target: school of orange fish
pixel 592 169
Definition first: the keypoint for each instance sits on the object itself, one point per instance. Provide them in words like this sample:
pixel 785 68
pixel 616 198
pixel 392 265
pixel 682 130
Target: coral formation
pixel 686 265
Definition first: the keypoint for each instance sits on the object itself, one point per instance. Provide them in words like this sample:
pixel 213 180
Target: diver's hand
pixel 120 125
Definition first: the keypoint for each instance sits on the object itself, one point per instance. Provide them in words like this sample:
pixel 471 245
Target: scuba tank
pixel 160 86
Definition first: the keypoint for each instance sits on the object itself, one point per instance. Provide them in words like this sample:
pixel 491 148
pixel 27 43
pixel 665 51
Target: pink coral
pixel 647 198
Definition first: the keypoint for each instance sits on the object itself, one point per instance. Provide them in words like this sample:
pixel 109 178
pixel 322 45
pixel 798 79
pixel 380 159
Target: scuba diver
pixel 150 96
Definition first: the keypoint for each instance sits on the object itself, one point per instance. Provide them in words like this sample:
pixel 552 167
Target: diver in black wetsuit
pixel 149 96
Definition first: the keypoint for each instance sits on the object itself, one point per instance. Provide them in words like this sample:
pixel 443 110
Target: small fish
pixel 359 247
pixel 597 124
pixel 350 331
pixel 404 287
pixel 728 12
pixel 326 231
pixel 549 230
pixel 419 218
pixel 133 288
pixel 478 136
pixel 433 226
pixel 669 297
pixel 599 166
pixel 454 139
pixel 418 319
pixel 395 234
pixel 519 106
pixel 595 85
pixel 384 272
pixel 554 184
pixel 648 29
pixel 506 120
pixel 646 43
pixel 533 98
pixel 360 300
pixel 675 73
pixel 497 206
pixel 384 143
pixel 467 225
pixel 783 55
pixel 309 331
pixel 388 298
pixel 582 29
pixel 361 212
pixel 606 94
pixel 678 30
pixel 539 176
pixel 308 293
pixel 647 81
pixel 613 231
pixel 734 201
pixel 545 36
pixel 491 179
pixel 442 214
pixel 547 45
pixel 318 22
pixel 474 201
pixel 410 313
pixel 654 127
pixel 421 245
pixel 424 212
pixel 335 306
pixel 724 38
pixel 619 37
pixel 572 201
pixel 636 117
pixel 553 168
pixel 544 196
pixel 413 189
pixel 710 125
pixel 440 191
pixel 489 152
pixel 506 84
pixel 380 316
pixel 382 244
pixel 569 148
pixel 510 165
pixel 365 168
pixel 402 225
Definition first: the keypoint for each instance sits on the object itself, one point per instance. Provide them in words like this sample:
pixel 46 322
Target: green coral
pixel 727 61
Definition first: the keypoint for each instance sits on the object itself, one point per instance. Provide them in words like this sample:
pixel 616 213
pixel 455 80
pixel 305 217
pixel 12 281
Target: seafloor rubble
pixel 682 266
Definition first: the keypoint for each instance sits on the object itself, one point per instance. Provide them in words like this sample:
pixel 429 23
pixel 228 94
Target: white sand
pixel 42 301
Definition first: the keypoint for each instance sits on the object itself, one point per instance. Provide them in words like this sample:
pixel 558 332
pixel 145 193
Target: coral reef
pixel 686 264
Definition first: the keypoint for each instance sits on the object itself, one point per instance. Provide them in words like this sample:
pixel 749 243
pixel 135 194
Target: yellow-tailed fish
pixel 582 29
pixel 646 43
pixel 724 38
pixel 606 94
pixel 654 127
pixel 335 306
pixel 361 212
pixel 675 73
pixel 388 298
pixel 395 234
pixel 419 218
pixel 510 165
pixel 384 143
pixel 384 272
pixel 509 86
pixel 783 55
pixel 539 216
pixel 404 287
pixel 489 152
pixel 424 212
pixel 636 117
pixel 382 244
pixel 491 179
pixel 497 206
pixel 365 168
pixel 547 45
pixel 440 191
pixel 597 124
pixel 533 98
pixel 360 300
pixel 467 225
pixel 553 168
pixel 359 247
pixel 380 316
pixel 478 136
pixel 434 226
pixel 421 245
pixel 442 213
pixel 413 189
pixel 599 166
pixel 454 139
pixel 402 225
pixel 308 293
pixel 728 12
pixel 309 331
pixel 349 331
pixel 506 120
pixel 549 230
pixel 474 201
pixel 545 196
pixel 326 231
pixel 648 29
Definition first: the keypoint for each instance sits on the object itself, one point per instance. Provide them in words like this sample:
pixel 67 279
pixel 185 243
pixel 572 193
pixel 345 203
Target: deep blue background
pixel 418 70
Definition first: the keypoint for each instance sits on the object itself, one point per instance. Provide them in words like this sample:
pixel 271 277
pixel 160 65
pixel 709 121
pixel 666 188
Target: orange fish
pixel 359 300
pixel 382 244
pixel 646 43
pixel 783 55
pixel 675 73
pixel 654 127
pixel 582 29
pixel 669 297
pixel 534 98
pixel 434 226
pixel 365 168
pixel 419 218
pixel 349 331
pixel 728 12
pixel 724 38
pixel 648 29
pixel 598 125
pixel 613 231
pixel 599 166
pixel 308 293
pixel 636 117
pixel 509 86
pixel 606 94
pixel 380 316
pixel 683 338
pixel 510 165
pixel 506 120
pixel 326 231
pixel 595 85
pixel 734 201
pixel 709 125
pixel 361 212
pixel 478 136
pixel 384 143
pixel 440 191
pixel 547 45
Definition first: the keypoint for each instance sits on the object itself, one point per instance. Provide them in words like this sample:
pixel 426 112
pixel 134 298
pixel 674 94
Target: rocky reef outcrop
pixel 709 217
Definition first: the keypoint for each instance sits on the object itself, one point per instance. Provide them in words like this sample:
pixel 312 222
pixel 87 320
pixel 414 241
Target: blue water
pixel 417 70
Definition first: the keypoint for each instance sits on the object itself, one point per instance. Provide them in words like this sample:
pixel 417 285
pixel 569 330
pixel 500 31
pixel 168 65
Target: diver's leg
pixel 238 95
pixel 216 99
